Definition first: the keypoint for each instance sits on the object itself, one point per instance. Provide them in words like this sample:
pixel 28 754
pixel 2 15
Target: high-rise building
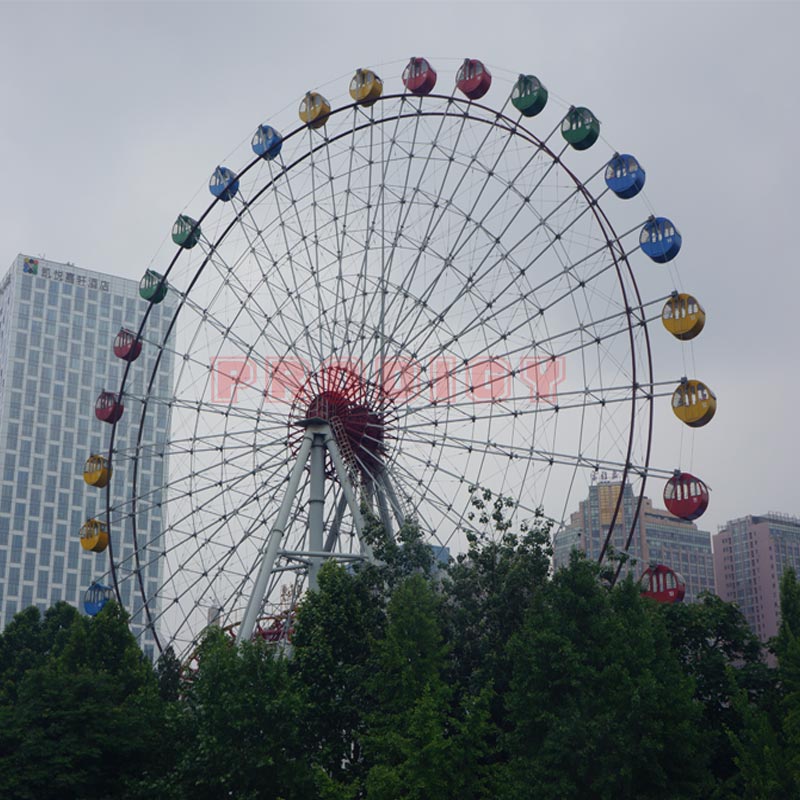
pixel 57 327
pixel 658 537
pixel 750 556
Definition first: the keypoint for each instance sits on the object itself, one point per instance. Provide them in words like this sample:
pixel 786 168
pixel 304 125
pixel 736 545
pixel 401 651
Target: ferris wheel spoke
pixel 247 302
pixel 511 452
pixel 194 535
pixel 432 224
pixel 510 186
pixel 373 224
pixel 170 487
pixel 367 309
pixel 226 410
pixel 463 380
pixel 174 498
pixel 227 335
pixel 349 339
pixel 287 339
pixel 529 294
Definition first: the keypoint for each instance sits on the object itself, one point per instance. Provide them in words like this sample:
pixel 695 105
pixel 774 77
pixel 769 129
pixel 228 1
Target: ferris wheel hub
pixel 358 411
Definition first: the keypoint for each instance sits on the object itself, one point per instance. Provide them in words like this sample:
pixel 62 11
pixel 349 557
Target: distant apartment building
pixel 658 536
pixel 57 327
pixel 750 556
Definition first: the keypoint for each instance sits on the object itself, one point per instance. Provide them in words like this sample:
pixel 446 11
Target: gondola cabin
pixel 660 239
pixel 419 77
pixel 126 345
pixel 95 598
pixel 185 232
pixel 685 496
pixel 365 87
pixel 152 287
pixel 473 79
pixel 528 96
pixel 97 471
pixel 314 110
pixel 94 536
pixel 683 316
pixel 223 184
pixel 266 142
pixel 662 584
pixel 580 128
pixel 694 403
pixel 108 407
pixel 625 176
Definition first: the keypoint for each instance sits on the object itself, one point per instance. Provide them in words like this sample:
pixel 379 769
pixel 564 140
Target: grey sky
pixel 115 115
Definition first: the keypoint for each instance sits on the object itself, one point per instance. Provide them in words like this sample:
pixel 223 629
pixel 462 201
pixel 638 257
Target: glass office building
pixel 57 328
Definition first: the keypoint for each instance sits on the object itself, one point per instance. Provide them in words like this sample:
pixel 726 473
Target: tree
pixel 331 650
pixel 598 703
pixel 789 629
pixel 420 744
pixel 240 727
pixel 767 742
pixel 27 641
pixel 724 658
pixel 488 591
pixel 86 718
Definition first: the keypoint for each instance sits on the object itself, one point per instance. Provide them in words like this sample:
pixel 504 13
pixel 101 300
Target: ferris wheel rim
pixel 513 128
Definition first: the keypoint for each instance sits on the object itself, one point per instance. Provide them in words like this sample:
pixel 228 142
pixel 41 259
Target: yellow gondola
pixel 683 316
pixel 94 536
pixel 365 87
pixel 96 471
pixel 314 109
pixel 694 403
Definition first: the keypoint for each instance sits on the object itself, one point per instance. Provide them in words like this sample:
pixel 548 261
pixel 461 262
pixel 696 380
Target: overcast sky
pixel 114 115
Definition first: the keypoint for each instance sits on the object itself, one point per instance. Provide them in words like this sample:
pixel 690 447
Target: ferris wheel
pixel 404 297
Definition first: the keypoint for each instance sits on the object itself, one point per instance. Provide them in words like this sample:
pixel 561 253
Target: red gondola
pixel 126 345
pixel 419 77
pixel 685 496
pixel 108 407
pixel 663 584
pixel 473 79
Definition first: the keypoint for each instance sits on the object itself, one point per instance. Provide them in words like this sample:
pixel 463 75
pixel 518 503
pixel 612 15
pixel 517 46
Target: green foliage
pixel 724 658
pixel 599 704
pixel 488 679
pixel 85 716
pixel 28 640
pixel 790 613
pixel 394 558
pixel 767 740
pixel 241 726
pixel 168 673
pixel 334 629
pixel 489 589
pixel 420 744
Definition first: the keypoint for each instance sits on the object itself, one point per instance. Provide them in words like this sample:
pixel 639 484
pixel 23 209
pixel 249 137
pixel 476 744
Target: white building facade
pixel 57 328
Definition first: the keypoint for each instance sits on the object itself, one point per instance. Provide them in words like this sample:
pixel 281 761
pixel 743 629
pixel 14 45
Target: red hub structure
pixel 359 412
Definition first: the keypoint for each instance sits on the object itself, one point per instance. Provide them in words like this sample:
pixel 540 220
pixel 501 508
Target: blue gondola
pixel 624 176
pixel 224 184
pixel 267 142
pixel 95 597
pixel 660 239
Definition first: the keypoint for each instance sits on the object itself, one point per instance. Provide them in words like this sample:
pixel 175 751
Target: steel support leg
pixel 273 543
pixel 316 506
